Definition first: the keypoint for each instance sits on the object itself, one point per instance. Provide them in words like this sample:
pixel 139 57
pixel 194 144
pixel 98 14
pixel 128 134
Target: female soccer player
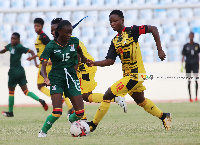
pixel 62 77
pixel 16 73
pixel 125 45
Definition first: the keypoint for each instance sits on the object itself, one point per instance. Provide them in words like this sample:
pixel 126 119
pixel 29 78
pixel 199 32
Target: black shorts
pixel 192 68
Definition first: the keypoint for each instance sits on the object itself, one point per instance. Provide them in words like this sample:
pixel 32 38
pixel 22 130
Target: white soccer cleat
pixel 121 101
pixel 42 134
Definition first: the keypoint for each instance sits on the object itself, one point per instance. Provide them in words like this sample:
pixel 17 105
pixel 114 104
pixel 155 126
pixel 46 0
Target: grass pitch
pixel 134 127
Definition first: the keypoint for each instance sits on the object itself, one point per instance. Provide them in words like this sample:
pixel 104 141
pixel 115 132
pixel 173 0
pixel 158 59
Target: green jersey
pixel 15 54
pixel 61 56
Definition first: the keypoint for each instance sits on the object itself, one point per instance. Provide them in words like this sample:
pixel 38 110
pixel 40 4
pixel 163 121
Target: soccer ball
pixel 79 128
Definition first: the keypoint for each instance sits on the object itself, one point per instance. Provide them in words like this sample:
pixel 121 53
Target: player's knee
pixel 57 112
pixel 26 92
pixel 80 113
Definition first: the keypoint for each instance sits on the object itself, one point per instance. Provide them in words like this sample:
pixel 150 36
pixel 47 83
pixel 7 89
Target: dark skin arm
pixel 155 33
pixel 106 62
pixel 82 57
pixel 33 54
pixel 3 51
pixel 44 73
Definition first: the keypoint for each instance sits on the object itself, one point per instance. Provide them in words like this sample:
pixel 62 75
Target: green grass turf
pixel 134 127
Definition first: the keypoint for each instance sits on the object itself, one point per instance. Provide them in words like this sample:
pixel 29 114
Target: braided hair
pixel 61 25
pixel 56 21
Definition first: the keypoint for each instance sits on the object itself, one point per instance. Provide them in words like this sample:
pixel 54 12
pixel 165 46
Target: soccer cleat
pixel 196 100
pixel 167 121
pixel 92 126
pixel 45 106
pixel 7 114
pixel 42 134
pixel 191 100
pixel 121 101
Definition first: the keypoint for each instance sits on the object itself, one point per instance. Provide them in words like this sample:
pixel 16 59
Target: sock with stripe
pixel 32 95
pixel 11 101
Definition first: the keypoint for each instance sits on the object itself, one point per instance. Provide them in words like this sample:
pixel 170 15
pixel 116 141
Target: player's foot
pixel 71 111
pixel 42 134
pixel 45 106
pixel 191 100
pixel 63 100
pixel 121 101
pixel 7 114
pixel 196 100
pixel 167 121
pixel 92 126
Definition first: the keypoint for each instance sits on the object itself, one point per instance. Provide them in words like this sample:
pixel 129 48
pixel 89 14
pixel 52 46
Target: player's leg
pixel 151 108
pixel 188 74
pixel 57 112
pixel 35 97
pixel 41 86
pixel 10 103
pixel 78 105
pixel 196 74
pixel 69 105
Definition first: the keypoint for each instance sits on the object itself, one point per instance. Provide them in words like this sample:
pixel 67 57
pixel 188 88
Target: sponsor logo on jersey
pixel 54 87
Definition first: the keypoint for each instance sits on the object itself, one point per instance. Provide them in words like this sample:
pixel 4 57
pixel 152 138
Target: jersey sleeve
pixel 184 50
pixel 198 48
pixel 138 30
pixel 112 54
pixel 25 50
pixel 46 53
pixel 44 38
pixel 7 47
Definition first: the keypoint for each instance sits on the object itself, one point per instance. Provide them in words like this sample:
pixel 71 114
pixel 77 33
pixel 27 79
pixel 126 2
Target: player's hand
pixel 47 82
pixel 182 68
pixel 37 65
pixel 89 63
pixel 161 54
pixel 29 58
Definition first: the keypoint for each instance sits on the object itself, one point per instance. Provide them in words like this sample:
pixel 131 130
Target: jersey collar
pixel 122 31
pixel 41 32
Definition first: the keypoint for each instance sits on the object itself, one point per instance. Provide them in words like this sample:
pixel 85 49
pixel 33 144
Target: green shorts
pixel 16 76
pixel 66 81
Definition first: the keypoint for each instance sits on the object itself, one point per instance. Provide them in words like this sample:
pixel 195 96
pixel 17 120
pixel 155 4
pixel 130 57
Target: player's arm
pixel 155 33
pixel 33 54
pixel 44 73
pixel 80 52
pixel 3 51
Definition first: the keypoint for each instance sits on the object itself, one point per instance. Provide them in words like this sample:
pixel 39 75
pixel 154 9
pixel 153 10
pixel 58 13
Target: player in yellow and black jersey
pixel 86 77
pixel 126 46
pixel 40 43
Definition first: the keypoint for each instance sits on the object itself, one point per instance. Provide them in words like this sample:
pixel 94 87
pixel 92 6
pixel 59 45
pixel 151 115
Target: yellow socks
pixel 46 91
pixel 101 111
pixel 68 103
pixel 96 97
pixel 151 108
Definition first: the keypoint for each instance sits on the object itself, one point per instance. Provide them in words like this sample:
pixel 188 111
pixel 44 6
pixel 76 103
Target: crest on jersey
pixel 196 47
pixel 12 51
pixel 54 87
pixel 72 47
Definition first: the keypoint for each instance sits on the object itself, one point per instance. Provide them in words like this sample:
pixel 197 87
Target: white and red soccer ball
pixel 79 128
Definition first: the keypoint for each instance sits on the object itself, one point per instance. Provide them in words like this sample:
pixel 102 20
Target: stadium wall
pixel 158 90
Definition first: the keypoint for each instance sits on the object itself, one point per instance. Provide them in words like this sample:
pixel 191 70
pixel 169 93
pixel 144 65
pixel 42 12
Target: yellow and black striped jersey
pixel 83 68
pixel 40 43
pixel 126 46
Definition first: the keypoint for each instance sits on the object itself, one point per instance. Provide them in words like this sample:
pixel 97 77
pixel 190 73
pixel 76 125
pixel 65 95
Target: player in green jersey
pixel 16 72
pixel 62 77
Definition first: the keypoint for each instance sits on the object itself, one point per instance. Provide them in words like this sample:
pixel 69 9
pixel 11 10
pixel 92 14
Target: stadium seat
pixel 196 11
pixel 181 37
pixel 18 28
pixel 87 31
pixel 179 1
pixel 146 14
pixel 10 18
pixel 70 3
pixel 186 13
pixel 192 1
pixel 107 41
pixel 173 13
pixel 65 15
pixel 195 23
pixel 92 17
pixel 93 51
pixel 165 2
pixel 6 31
pixel 4 4
pixel 196 29
pixel 23 18
pixel 97 40
pixel 47 30
pixel 160 14
pixel 130 17
pixel 100 31
pixel 17 4
pixel 76 32
pixel 1 17
pixel 156 54
pixel 43 3
pixel 29 43
pixel 111 32
pixel 37 15
pixel 97 3
pixel 49 16
pixel 85 40
pixel 57 3
pixel 185 29
pixel 111 2
pixel 147 54
pixel 125 2
pixel 174 53
pixel 169 28
pixel 84 3
pixel 25 62
pixel 151 2
pixel 138 2
pixel 30 3
pixel 165 38
pixel 77 15
pixel 196 37
pixel 104 17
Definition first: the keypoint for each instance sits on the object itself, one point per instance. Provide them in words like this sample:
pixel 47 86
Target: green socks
pixel 48 123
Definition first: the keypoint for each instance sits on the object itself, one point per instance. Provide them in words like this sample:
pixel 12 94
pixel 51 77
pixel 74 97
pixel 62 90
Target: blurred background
pixel 173 18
